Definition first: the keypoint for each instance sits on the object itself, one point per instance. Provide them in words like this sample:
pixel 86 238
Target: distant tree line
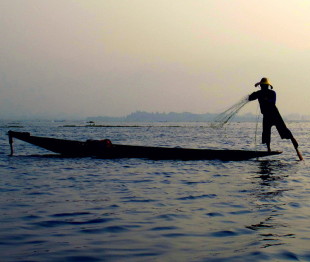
pixel 141 116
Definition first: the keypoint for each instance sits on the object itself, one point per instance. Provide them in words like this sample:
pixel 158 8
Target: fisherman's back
pixel 266 99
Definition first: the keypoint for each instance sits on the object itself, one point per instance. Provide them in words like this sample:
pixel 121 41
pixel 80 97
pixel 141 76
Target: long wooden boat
pixel 105 149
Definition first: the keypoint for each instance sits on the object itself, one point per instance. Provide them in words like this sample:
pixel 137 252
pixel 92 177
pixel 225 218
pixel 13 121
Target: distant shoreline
pixel 142 116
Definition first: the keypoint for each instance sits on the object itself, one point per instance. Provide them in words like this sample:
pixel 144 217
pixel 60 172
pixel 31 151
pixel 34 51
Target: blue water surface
pixel 87 209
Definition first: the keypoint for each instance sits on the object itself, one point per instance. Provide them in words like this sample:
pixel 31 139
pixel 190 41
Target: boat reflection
pixel 270 184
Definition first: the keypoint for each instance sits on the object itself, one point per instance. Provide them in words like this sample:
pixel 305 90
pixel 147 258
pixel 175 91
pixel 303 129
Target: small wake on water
pixel 224 117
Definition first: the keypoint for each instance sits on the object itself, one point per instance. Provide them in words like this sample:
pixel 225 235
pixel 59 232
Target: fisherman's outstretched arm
pixel 253 96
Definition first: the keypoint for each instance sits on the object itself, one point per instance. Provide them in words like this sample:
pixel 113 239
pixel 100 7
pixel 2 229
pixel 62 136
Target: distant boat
pixel 106 150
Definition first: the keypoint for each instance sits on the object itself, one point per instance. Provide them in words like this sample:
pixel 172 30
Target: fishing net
pixel 223 118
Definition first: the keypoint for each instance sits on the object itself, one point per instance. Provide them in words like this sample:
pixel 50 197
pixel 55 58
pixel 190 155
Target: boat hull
pixel 104 149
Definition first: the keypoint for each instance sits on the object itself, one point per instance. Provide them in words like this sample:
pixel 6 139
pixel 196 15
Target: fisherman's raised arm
pixel 253 96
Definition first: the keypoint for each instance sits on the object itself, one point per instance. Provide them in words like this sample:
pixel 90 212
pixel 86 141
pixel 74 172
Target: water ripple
pixel 56 209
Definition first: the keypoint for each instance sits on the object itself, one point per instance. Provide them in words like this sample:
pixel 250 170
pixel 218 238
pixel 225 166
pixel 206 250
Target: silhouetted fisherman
pixel 271 116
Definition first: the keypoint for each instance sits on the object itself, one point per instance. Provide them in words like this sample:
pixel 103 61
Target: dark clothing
pixel 266 99
pixel 271 115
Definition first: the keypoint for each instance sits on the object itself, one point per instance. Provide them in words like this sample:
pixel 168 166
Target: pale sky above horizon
pixel 78 58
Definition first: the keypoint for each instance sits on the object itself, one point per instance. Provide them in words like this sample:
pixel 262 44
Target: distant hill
pixel 141 116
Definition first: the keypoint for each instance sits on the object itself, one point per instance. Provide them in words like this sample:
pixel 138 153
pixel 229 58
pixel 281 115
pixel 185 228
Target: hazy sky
pixel 61 58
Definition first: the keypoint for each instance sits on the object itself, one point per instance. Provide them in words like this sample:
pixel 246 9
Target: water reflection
pixel 271 183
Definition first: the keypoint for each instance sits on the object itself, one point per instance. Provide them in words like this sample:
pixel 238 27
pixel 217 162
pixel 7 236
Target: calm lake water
pixel 86 209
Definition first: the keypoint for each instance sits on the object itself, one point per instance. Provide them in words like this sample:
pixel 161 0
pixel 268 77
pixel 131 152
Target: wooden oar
pixel 296 148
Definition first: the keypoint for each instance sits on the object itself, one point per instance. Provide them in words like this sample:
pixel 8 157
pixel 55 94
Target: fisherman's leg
pixel 294 141
pixel 266 136
pixel 267 142
pixel 284 132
